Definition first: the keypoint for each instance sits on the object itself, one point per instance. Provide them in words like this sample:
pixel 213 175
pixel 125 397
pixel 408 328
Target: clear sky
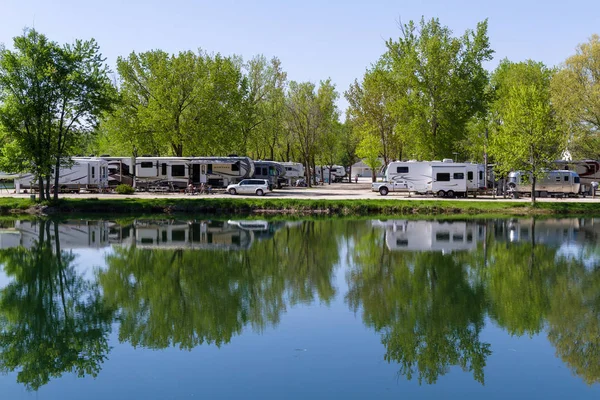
pixel 314 39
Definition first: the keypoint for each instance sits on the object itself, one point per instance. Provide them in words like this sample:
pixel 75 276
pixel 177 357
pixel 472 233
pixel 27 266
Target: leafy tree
pixel 576 98
pixel 525 137
pixel 441 85
pixel 349 140
pixel 369 150
pixel 51 96
pixel 310 114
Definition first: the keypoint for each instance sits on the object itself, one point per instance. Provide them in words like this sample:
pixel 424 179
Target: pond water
pixel 354 309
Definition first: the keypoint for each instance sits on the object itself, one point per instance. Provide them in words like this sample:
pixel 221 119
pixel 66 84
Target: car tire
pixel 232 191
pixel 441 193
pixel 450 193
pixel 383 191
pixel 259 192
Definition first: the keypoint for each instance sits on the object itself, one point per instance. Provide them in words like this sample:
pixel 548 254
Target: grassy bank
pixel 233 206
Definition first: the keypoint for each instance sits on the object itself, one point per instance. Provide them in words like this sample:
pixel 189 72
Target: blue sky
pixel 314 39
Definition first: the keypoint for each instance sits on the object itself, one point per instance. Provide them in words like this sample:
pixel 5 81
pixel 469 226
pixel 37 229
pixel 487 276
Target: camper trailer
pixel 86 173
pixel 220 171
pixel 272 171
pixel 555 182
pixel 120 171
pixel 588 171
pixel 161 173
pixel 337 173
pixel 443 178
pixel 293 172
pixel 411 235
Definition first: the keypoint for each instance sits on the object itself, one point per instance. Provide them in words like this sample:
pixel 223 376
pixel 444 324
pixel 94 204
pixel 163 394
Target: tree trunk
pixel 373 176
pixel 533 181
pixel 48 179
pixel 350 174
pixel 56 176
pixel 307 171
pixel 41 188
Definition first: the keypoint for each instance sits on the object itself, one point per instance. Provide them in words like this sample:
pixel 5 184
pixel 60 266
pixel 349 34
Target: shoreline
pixel 130 205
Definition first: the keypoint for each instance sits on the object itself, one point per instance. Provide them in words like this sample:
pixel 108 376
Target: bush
pixel 124 189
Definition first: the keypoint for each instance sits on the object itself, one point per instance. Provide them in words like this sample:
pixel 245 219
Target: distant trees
pixel 51 97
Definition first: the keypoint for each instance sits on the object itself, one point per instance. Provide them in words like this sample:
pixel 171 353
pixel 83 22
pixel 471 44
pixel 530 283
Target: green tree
pixel 369 150
pixel 441 85
pixel 576 98
pixel 526 137
pixel 51 97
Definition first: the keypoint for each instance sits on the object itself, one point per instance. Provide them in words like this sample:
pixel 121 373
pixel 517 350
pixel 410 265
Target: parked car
pixel 248 186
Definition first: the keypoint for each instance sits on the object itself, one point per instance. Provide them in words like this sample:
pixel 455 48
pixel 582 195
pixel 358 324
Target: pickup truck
pixel 385 187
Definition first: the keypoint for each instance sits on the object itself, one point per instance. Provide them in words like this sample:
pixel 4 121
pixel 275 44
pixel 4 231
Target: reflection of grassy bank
pixel 297 206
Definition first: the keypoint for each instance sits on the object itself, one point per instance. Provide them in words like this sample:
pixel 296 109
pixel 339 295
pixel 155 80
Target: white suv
pixel 249 186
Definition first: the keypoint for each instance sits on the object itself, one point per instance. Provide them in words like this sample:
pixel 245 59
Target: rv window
pixel 576 179
pixel 272 171
pixel 401 242
pixel 235 167
pixel 481 175
pixel 265 171
pixel 566 178
pixel 164 169
pixel 178 170
pixel 470 175
pixel 443 177
pixel 442 236
pixel 459 175
pixel 457 237
pixel 93 172
pixel 147 164
pixel 558 179
pixel 402 170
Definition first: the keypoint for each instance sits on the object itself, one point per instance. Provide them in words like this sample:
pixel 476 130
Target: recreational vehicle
pixel 120 171
pixel 272 171
pixel 220 171
pixel 88 173
pixel 556 182
pixel 161 173
pixel 337 173
pixel 293 172
pixel 410 235
pixel 588 171
pixel 443 178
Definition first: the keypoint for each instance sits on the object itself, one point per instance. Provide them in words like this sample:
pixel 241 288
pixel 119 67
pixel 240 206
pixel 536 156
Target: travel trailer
pixel 293 172
pixel 161 173
pixel 556 182
pixel 87 173
pixel 272 171
pixel 220 171
pixel 442 178
pixel 120 171
pixel 588 171
pixel 445 236
pixel 337 173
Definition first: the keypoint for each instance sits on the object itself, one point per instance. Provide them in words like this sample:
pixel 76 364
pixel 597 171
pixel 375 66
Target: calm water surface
pixel 366 309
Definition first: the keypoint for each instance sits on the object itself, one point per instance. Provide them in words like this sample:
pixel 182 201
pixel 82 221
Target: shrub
pixel 124 189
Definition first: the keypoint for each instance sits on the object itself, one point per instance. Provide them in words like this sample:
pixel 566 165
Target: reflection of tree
pixel 51 319
pixel 188 297
pixel 574 318
pixel 428 313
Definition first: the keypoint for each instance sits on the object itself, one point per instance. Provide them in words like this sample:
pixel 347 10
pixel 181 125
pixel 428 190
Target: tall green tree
pixel 576 98
pixel 441 85
pixel 526 137
pixel 51 96
pixel 369 150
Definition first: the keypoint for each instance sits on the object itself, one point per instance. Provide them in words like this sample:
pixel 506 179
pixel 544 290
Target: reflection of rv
pixel 89 173
pixel 272 171
pixel 446 236
pixel 72 234
pixel 553 182
pixel 443 178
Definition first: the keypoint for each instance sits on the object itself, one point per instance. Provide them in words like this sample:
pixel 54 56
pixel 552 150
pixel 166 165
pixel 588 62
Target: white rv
pixel 338 172
pixel 293 172
pixel 443 178
pixel 272 171
pixel 554 182
pixel 220 171
pixel 86 173
pixel 445 236
pixel 588 171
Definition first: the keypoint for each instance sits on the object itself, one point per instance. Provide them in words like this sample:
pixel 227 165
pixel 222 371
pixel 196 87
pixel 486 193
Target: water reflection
pixel 427 288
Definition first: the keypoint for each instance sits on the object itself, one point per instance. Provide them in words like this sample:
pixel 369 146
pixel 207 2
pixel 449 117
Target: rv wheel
pixel 450 193
pixel 383 191
pixel 232 191
pixel 441 193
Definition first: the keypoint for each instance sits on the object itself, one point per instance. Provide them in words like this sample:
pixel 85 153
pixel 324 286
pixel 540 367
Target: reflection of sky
pixel 579 252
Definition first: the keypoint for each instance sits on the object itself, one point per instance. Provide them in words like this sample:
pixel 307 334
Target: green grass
pixel 233 206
